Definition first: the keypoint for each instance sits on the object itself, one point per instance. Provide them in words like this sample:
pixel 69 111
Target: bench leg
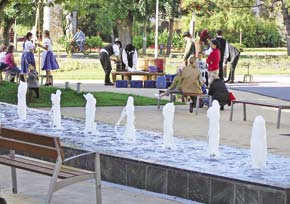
pixel 98 179
pixel 53 181
pixel 14 180
pixel 244 111
pixel 232 112
pixel 197 105
pixel 279 118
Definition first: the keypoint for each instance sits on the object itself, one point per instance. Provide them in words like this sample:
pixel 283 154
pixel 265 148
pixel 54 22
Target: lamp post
pixel 156 30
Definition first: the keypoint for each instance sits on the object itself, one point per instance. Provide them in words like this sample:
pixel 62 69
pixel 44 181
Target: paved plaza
pixel 33 187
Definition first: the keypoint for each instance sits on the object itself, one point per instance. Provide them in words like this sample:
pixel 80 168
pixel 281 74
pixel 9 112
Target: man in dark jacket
pixel 219 92
pixel 234 56
pixel 223 46
pixel 105 54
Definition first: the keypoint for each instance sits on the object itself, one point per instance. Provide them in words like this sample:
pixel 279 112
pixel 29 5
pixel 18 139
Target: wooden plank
pixel 38 150
pixel 27 136
pixel 32 168
pixel 44 164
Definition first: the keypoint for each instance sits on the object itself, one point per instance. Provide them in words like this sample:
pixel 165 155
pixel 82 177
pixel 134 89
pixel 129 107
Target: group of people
pixel 27 71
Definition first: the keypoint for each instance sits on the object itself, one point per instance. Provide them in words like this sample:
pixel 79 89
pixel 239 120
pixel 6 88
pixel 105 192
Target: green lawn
pixel 70 98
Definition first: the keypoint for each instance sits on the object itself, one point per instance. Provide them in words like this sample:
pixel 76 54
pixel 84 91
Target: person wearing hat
pixel 213 61
pixel 105 54
pixel 189 48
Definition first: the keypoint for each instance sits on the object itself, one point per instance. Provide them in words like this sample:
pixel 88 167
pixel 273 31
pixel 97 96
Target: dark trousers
pixel 221 71
pixel 231 77
pixel 106 64
pixel 31 90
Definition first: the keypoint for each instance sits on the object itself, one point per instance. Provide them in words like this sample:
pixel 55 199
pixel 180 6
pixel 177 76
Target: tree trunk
pixel 7 24
pixel 144 37
pixel 3 4
pixel 170 36
pixel 286 17
pixel 125 30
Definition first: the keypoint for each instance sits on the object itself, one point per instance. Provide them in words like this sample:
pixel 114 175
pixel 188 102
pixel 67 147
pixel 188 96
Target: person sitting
pixel 219 92
pixel 191 81
pixel 79 38
pixel 9 60
pixel 130 57
pixel 3 50
pixel 175 86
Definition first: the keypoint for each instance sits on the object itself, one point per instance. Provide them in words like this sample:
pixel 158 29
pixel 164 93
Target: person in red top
pixel 9 60
pixel 213 61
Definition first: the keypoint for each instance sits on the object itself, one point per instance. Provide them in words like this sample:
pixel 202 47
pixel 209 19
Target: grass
pixel 70 98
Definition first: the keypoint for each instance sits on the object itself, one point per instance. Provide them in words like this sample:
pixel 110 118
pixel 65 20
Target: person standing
pixel 80 38
pixel 233 58
pixel 48 60
pixel 105 54
pixel 223 46
pixel 28 53
pixel 189 48
pixel 213 61
pixel 130 57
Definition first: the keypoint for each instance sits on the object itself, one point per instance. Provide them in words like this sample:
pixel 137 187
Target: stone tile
pixel 273 197
pixel 113 170
pixel 199 188
pixel 135 174
pixel 177 183
pixel 156 179
pixel 246 194
pixel 222 192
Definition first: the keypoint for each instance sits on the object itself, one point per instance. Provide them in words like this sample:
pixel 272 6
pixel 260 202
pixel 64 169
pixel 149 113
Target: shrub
pixel 95 41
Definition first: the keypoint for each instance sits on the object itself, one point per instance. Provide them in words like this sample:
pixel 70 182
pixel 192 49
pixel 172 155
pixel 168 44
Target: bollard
pixel 79 87
pixel 66 85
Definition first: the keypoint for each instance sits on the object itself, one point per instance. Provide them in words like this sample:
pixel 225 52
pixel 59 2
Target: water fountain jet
pixel 213 114
pixel 90 125
pixel 55 109
pixel 21 104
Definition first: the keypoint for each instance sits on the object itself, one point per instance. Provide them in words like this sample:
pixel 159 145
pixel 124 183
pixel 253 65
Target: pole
pixel 37 23
pixel 15 36
pixel 156 30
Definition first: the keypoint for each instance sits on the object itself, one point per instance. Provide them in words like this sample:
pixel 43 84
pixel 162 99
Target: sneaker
pixel 157 95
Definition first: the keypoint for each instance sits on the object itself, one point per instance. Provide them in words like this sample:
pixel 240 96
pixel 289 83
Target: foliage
pixel 70 98
pixel 94 41
pixel 178 41
pixel 239 46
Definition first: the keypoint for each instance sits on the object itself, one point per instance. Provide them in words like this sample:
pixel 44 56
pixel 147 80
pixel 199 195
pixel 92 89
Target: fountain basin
pixel 185 171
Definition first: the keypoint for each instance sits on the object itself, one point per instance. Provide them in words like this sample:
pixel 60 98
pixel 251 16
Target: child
pixel 213 61
pixel 201 65
pixel 175 86
pixel 32 82
pixel 9 60
pixel 48 61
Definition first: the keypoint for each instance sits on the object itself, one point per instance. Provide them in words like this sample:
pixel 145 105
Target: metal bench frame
pixel 245 102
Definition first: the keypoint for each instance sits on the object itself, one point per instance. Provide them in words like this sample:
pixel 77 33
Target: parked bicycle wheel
pixel 87 49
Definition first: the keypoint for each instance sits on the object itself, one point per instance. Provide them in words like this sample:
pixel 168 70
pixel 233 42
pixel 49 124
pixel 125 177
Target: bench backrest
pixel 27 142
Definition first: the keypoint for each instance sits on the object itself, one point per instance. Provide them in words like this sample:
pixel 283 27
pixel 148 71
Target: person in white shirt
pixel 48 60
pixel 2 56
pixel 28 53
pixel 80 38
pixel 105 54
pixel 130 57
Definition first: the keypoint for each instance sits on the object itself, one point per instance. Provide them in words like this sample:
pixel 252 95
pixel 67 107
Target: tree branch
pixel 3 4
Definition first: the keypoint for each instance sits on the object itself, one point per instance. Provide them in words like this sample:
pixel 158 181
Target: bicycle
pixel 72 48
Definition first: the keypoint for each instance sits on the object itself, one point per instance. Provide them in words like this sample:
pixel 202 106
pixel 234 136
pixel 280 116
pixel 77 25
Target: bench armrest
pixel 77 156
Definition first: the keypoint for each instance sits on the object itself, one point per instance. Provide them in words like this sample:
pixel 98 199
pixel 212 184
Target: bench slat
pixel 40 167
pixel 27 136
pixel 10 144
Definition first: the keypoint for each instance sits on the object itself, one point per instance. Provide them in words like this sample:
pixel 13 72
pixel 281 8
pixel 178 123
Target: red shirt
pixel 8 60
pixel 213 60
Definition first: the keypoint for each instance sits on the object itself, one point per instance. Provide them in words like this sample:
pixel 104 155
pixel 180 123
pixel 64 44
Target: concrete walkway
pixel 33 187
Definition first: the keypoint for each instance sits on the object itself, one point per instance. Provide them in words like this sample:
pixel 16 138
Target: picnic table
pixel 127 75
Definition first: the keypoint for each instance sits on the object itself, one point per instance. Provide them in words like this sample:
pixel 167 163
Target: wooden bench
pixel 43 146
pixel 127 75
pixel 185 95
pixel 245 102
